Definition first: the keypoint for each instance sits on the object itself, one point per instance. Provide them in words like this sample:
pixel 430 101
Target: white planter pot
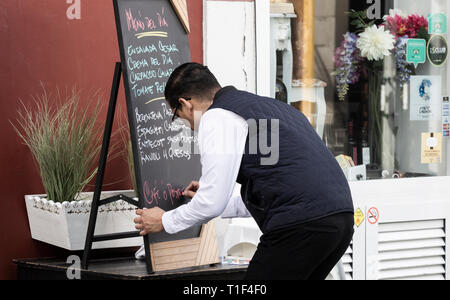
pixel 65 225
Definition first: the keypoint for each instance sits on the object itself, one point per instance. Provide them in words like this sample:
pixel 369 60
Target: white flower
pixel 396 11
pixel 375 43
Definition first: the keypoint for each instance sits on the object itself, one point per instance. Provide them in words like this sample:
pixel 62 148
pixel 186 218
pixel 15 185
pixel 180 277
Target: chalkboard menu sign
pixel 152 44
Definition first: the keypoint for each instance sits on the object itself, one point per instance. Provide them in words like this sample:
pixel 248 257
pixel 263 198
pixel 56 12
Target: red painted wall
pixel 39 44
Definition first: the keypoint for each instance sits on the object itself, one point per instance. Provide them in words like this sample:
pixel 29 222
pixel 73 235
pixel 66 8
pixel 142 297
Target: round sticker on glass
pixel 437 50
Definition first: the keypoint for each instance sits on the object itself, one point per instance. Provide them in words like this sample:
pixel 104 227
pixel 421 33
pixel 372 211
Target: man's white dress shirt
pixel 222 136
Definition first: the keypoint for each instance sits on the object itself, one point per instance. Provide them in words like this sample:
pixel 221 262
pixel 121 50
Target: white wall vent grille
pixel 411 250
pixel 347 261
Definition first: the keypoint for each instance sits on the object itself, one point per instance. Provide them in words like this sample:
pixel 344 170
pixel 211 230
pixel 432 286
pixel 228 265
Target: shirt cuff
pixel 167 222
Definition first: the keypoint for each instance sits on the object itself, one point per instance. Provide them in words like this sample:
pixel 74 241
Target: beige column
pixel 303 39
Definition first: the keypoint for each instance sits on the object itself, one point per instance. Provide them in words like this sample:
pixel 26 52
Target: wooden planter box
pixel 65 224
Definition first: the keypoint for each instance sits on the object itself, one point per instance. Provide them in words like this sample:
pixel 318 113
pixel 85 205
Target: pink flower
pixel 397 25
pixel 409 26
pixel 415 22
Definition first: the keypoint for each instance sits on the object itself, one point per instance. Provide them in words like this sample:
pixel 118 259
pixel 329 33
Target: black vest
pixel 305 183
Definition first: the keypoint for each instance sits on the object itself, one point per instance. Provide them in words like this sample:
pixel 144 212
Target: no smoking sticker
pixel 373 216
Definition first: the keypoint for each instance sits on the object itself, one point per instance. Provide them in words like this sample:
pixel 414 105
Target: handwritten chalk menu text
pixel 152 43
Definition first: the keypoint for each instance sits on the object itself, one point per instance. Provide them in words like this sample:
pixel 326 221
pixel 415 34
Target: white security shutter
pixel 347 261
pixel 405 229
pixel 411 250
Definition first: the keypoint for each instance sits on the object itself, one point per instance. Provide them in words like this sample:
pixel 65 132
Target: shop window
pixel 382 66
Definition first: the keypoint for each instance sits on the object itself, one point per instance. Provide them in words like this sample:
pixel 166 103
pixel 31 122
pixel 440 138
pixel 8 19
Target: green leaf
pixel 352 15
pixel 363 14
pixel 423 34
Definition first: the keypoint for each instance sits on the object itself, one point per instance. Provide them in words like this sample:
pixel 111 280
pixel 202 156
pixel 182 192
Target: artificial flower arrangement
pixel 362 53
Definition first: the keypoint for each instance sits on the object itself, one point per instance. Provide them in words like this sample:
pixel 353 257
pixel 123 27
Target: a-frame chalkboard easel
pixel 96 202
pixel 159 256
pixel 153 41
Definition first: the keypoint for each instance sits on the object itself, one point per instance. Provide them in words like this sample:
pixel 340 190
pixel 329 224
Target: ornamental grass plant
pixel 64 139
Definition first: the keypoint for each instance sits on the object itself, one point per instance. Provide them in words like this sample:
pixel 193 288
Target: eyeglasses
pixel 178 106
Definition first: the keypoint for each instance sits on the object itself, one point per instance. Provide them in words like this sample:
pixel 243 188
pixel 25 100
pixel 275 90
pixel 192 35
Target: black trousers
pixel 308 251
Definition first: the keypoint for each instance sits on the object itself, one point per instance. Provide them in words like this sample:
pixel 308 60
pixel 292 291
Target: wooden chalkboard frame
pixel 180 7
pixel 187 253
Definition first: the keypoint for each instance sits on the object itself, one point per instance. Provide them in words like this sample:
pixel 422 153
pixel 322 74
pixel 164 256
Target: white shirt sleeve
pixel 236 208
pixel 222 136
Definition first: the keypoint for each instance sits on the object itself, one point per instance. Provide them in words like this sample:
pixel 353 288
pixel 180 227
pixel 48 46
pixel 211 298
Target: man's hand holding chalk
pixel 192 189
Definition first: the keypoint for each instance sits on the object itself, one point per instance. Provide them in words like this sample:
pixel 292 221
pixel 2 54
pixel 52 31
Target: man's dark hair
pixel 190 80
